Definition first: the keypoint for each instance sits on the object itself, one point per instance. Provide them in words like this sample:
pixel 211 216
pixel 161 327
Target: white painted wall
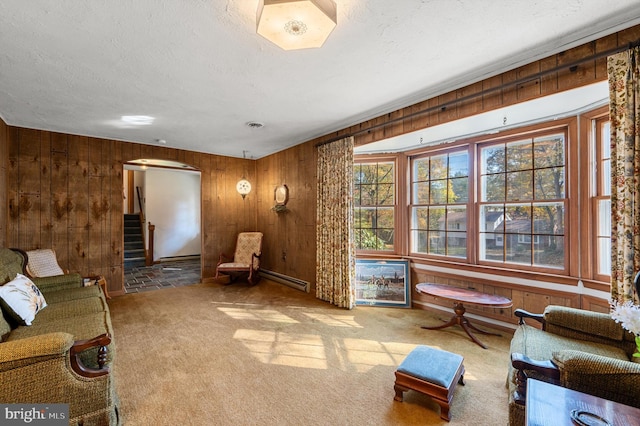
pixel 173 206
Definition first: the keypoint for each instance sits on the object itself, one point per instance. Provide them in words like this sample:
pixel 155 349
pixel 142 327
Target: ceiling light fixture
pixel 243 186
pixel 137 120
pixel 296 24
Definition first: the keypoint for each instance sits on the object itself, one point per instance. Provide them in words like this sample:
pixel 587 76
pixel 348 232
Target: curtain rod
pixel 571 66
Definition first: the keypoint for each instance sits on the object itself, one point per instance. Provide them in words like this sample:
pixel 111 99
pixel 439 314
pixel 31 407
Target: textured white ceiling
pixel 201 71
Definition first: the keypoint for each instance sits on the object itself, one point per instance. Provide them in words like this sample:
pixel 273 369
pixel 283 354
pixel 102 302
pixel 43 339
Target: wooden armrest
pixel 81 345
pixel 521 363
pixel 522 314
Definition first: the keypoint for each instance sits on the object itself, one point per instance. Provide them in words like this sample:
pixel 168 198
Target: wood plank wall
pixel 289 246
pixel 66 192
pixel 4 160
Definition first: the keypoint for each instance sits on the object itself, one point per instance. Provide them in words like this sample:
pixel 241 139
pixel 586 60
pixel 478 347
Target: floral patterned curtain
pixel 624 110
pixel 335 251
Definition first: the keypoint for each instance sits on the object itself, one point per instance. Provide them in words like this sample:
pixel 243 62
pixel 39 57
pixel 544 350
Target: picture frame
pixel 381 282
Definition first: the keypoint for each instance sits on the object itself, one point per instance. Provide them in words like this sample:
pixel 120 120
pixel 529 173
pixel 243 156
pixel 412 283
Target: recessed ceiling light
pixel 138 120
pixel 255 124
pixel 161 141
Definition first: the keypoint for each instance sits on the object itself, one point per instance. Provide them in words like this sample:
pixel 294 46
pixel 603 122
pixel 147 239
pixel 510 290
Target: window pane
pixel 367 195
pixel 606 177
pixel 459 190
pixel 421 193
pixel 549 183
pixel 436 243
pixel 384 239
pixel 368 173
pixel 549 251
pixel 421 169
pixel 385 195
pixel 519 156
pixel 519 186
pixel 438 191
pixel 493 159
pixel 457 244
pixel 549 151
pixel 604 258
pixel 492 218
pixel 436 218
pixel 385 218
pixel 457 219
pixel 518 219
pixel 458 165
pixel 493 187
pixel 385 173
pixel 420 218
pixel 548 218
pixel 492 247
pixel 516 251
pixel 438 168
pixel 419 241
pixel 604 218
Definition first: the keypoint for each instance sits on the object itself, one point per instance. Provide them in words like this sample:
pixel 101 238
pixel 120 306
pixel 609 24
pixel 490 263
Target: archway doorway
pixel 162 225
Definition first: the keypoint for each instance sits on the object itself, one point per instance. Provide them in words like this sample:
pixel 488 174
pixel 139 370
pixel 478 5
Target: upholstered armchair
pixel 581 350
pixel 246 259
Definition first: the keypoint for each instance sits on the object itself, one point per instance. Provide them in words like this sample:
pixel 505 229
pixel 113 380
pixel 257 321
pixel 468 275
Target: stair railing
pixel 149 255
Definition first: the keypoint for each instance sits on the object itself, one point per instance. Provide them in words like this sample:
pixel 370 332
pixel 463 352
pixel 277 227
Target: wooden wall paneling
pixel 60 199
pixel 29 182
pixel 472 106
pixel 79 207
pixel 528 89
pixel 548 82
pixel 581 74
pixel 419 121
pixel 449 112
pixel 46 224
pixel 4 170
pixel 493 98
pixel 13 209
pixel 209 217
pixel 602 45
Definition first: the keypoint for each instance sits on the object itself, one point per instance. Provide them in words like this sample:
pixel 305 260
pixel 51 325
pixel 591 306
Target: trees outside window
pixel 440 196
pixel 375 203
pixel 523 201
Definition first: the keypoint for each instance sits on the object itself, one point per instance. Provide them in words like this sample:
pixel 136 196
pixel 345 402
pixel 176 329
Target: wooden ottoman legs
pixel 441 395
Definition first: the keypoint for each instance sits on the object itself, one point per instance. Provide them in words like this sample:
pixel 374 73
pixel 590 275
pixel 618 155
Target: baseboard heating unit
pixel 292 282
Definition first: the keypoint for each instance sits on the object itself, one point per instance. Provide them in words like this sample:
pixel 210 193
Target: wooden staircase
pixel 134 253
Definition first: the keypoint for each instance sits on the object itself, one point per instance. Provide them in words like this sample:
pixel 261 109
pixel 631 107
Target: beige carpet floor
pixel 210 354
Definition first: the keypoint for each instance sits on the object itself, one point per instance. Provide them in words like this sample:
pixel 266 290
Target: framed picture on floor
pixel 383 283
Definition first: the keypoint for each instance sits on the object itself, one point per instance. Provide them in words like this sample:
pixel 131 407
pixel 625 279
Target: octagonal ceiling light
pixel 296 24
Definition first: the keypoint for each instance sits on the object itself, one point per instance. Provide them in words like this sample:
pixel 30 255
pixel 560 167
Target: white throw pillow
pixel 22 299
pixel 43 263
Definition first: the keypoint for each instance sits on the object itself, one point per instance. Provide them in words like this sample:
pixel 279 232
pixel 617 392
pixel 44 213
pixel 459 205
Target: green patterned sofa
pixel 66 354
pixel 577 349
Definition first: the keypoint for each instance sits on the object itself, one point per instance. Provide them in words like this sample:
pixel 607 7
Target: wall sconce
pixel 243 187
pixel 296 24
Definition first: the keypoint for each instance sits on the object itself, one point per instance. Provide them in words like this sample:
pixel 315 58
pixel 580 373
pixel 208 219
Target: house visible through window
pixel 374 200
pixel 523 201
pixel 440 193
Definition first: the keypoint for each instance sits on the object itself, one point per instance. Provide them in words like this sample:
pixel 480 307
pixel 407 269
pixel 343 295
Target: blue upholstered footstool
pixel 432 372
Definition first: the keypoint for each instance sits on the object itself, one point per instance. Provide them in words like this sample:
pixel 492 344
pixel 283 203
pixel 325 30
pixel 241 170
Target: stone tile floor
pixel 173 273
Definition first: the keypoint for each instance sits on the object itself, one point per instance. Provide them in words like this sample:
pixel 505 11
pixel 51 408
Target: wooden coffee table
pixel 459 296
pixel 551 405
